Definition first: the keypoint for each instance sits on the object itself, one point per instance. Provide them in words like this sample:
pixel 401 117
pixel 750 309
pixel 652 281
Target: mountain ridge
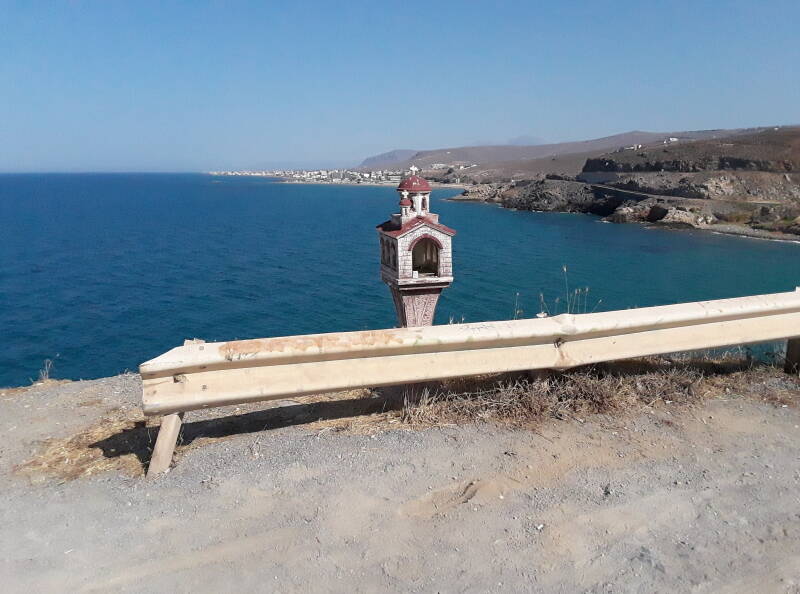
pixel 388 158
pixel 494 154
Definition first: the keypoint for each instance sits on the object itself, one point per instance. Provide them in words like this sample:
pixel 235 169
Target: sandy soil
pixel 669 499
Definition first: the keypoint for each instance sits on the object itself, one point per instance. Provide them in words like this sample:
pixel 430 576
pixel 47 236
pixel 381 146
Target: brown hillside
pixel 494 155
pixel 775 150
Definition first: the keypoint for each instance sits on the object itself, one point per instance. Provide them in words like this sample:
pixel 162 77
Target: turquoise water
pixel 102 272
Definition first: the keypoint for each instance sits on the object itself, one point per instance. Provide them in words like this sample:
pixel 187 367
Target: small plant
pixel 575 301
pixel 44 372
pixel 578 299
pixel 453 320
pixel 517 311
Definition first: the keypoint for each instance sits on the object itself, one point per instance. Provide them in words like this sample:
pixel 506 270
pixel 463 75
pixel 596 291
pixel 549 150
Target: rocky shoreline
pixel 747 185
pixel 763 220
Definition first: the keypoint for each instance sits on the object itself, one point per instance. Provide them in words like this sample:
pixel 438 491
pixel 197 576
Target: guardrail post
pixel 165 444
pixel 167 435
pixel 792 363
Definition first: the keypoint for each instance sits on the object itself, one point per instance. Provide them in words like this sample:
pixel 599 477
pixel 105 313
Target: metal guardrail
pixel 203 375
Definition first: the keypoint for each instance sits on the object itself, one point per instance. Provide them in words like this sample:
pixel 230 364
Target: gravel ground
pixel 671 499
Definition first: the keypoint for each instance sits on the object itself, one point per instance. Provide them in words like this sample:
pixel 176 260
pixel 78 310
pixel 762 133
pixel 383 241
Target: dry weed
pixel 597 389
pixel 89 452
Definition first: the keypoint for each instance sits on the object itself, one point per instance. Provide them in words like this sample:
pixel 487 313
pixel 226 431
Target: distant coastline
pixel 735 182
pixel 321 182
pixel 433 184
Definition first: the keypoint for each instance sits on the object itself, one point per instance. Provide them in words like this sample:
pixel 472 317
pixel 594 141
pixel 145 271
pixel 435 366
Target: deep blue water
pixel 102 272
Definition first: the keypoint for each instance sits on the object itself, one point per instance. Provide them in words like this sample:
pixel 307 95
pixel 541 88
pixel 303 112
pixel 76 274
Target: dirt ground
pixel 341 496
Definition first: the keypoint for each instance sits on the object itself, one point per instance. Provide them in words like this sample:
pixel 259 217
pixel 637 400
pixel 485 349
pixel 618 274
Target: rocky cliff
pixel 555 195
pixel 545 195
pixel 752 181
pixel 748 184
pixel 776 221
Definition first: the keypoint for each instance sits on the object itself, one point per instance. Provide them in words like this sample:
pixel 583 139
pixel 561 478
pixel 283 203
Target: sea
pixel 100 272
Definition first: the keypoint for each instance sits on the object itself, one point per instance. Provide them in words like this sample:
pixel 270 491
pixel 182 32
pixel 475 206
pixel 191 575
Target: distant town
pixel 338 176
pixel 327 176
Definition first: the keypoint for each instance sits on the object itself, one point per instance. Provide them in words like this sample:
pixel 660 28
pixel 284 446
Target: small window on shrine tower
pixel 425 258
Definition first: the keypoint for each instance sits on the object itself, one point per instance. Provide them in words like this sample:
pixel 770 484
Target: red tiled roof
pixel 414 183
pixel 393 231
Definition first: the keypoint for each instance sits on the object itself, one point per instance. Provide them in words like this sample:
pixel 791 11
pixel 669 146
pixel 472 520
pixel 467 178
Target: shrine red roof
pixel 393 231
pixel 414 183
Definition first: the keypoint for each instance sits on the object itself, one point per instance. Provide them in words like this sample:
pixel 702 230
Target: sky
pixel 107 85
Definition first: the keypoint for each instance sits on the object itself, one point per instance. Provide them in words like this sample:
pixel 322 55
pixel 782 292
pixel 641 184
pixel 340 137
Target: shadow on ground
pixel 123 441
pixel 139 439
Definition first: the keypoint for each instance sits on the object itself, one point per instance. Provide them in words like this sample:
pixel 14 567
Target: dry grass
pixel 624 385
pixel 44 372
pixel 83 454
pixel 14 392
pixel 123 440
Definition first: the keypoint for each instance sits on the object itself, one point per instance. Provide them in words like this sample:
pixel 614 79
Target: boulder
pixel 656 213
pixel 678 217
